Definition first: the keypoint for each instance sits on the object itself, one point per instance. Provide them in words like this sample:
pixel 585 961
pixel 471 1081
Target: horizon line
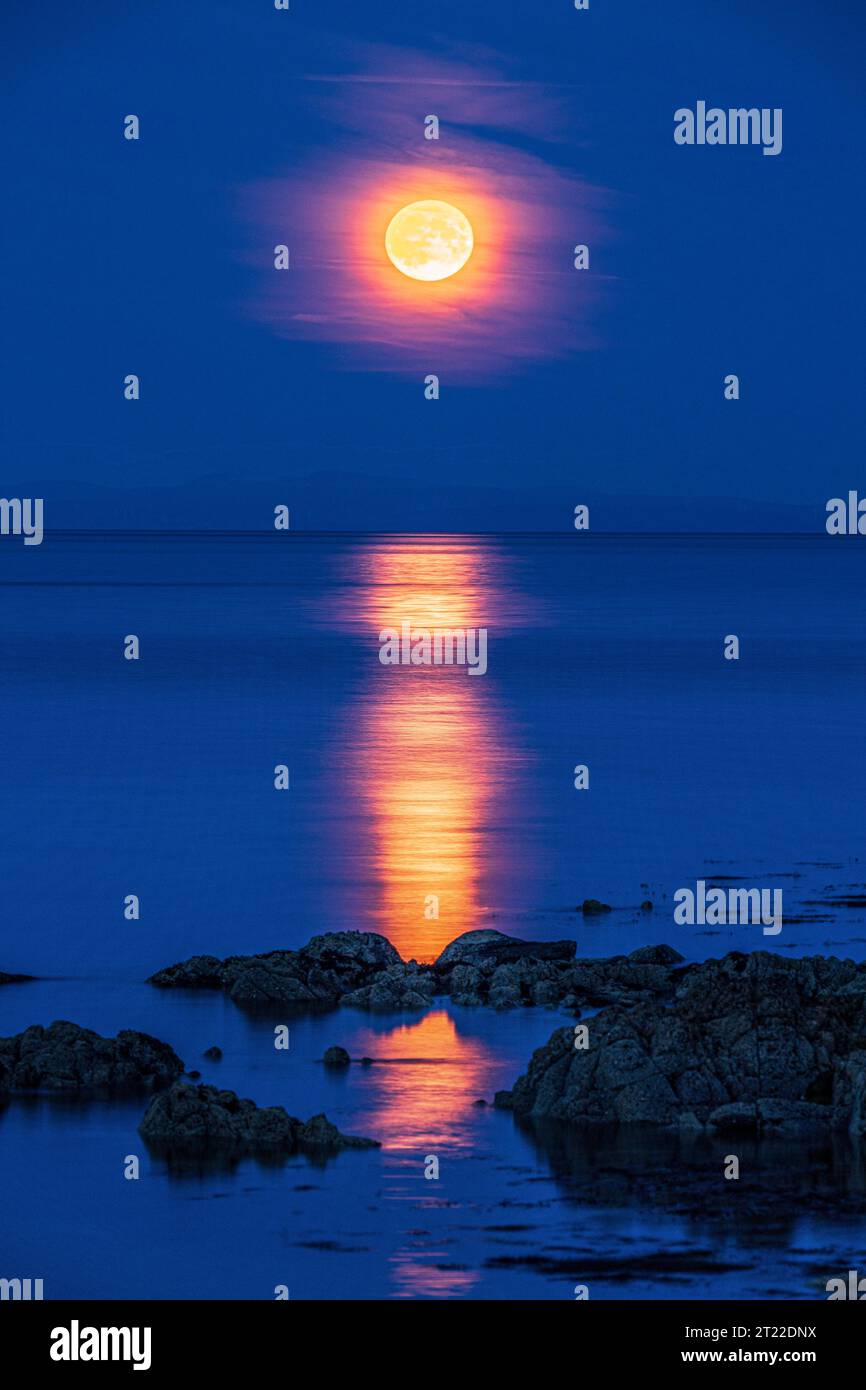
pixel 282 535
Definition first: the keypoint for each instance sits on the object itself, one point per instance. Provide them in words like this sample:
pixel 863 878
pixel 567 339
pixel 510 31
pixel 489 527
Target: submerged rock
pixel 757 1044
pixel 205 1120
pixel 66 1057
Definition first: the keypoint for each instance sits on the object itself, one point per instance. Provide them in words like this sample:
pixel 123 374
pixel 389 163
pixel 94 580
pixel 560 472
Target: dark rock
pixel 347 950
pixel 65 1057
pixel 194 1075
pixel 336 1057
pixel 656 955
pixel 507 984
pixel 489 949
pixel 399 987
pixel 203 1119
pixel 488 967
pixel 7 979
pixel 199 972
pixel 363 970
pixel 262 982
pixel 592 907
pixel 366 1061
pixel 642 976
pixel 214 1054
pixel 319 975
pixel 768 1117
pixel 757 1044
pixel 646 906
pixel 319 1133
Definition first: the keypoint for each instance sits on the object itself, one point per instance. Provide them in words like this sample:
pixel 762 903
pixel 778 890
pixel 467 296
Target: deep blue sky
pixel 136 257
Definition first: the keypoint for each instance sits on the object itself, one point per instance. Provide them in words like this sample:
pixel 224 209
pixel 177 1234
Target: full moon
pixel 429 240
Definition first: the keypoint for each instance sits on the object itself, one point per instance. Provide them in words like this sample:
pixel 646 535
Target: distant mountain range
pixel 335 501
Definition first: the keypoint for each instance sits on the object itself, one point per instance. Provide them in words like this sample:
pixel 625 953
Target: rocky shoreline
pixel 750 1045
pixel 363 970
pixel 181 1120
pixel 67 1058
pixel 191 1120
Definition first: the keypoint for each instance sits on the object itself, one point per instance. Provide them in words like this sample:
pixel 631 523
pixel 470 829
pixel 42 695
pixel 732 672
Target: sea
pixel 257 776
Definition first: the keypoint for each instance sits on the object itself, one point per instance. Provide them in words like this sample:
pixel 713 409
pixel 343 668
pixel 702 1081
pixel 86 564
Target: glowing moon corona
pixel 429 240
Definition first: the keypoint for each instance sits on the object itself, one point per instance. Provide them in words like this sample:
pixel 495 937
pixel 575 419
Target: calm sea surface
pixel 156 777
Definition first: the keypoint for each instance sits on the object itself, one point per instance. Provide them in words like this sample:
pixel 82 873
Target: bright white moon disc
pixel 429 240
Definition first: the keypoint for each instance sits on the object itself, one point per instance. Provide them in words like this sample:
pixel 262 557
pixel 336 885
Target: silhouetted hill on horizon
pixel 337 501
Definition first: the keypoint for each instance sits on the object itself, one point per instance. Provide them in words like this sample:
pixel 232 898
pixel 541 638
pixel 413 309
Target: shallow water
pixel 156 778
pixel 500 1222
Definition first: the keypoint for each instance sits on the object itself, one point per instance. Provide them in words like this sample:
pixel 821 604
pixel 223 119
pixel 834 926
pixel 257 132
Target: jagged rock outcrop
pixel 488 967
pixel 404 986
pixel 202 1120
pixel 363 970
pixel 321 974
pixel 756 1044
pixel 65 1057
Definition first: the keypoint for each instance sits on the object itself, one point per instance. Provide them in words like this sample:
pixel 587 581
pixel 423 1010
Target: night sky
pixel 260 126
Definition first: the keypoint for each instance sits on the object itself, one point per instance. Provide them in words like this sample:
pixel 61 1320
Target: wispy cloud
pixel 506 156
